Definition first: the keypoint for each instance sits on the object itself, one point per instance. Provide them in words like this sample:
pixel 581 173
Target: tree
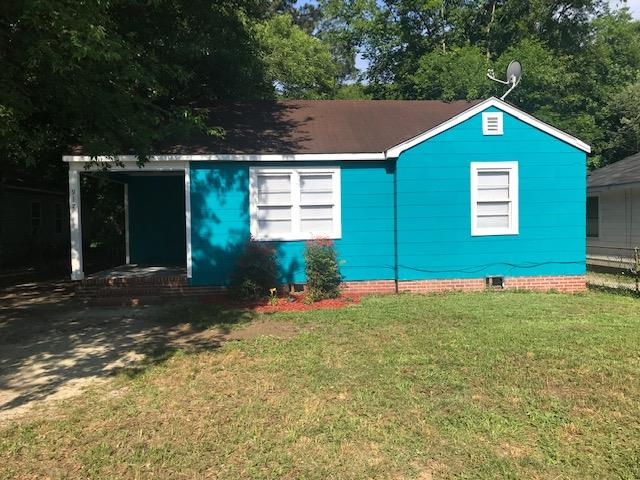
pixel 624 137
pixel 577 55
pixel 119 75
pixel 299 65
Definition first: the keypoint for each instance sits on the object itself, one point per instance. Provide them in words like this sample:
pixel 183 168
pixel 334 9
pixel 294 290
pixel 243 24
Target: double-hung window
pixel 295 203
pixel 494 198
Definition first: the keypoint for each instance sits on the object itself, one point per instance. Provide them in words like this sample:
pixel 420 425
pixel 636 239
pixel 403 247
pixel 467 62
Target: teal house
pixel 417 195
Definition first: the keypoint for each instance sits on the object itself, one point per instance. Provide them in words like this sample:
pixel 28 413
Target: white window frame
pixel 512 169
pixel 295 173
pixel 485 123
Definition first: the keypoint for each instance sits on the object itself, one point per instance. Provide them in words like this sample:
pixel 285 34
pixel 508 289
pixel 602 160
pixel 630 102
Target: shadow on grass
pixel 55 346
pixel 187 329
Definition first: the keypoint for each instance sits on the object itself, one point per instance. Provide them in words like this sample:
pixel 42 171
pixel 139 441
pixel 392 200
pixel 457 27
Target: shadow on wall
pixel 220 224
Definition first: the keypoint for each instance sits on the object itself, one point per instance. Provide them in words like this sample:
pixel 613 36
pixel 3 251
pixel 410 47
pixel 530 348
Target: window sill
pixel 295 238
pixel 492 233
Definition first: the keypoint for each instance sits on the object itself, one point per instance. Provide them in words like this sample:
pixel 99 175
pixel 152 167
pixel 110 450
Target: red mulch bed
pixel 293 303
pixel 296 303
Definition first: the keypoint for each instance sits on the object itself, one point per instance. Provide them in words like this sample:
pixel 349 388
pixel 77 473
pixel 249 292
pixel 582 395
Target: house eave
pixel 300 157
pixel 613 186
pixel 395 151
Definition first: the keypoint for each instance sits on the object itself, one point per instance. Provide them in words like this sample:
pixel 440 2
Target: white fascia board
pixel 394 152
pixel 127 166
pixel 303 157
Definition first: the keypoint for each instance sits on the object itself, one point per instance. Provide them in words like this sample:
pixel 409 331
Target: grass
pixel 500 385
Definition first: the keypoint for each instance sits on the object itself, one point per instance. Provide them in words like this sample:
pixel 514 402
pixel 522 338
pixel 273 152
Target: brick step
pixel 126 292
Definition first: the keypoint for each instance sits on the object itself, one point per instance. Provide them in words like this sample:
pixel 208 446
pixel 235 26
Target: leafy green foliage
pixel 352 91
pixel 255 272
pixel 299 65
pixel 578 57
pixel 625 107
pixel 323 272
pixel 123 75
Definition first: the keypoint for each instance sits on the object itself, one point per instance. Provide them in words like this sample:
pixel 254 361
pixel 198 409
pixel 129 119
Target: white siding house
pixel 613 213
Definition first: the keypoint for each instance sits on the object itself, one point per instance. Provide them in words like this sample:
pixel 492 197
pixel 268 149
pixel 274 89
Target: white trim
pixel 75 225
pixel 395 151
pixel 187 217
pixel 512 168
pixel 127 252
pixel 295 200
pixel 300 157
pixel 130 166
pixel 485 123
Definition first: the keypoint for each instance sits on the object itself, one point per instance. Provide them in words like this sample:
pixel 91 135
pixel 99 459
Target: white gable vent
pixel 492 123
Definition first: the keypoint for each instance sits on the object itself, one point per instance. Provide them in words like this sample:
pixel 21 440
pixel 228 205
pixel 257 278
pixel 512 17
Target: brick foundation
pixel 161 289
pixel 143 290
pixel 560 283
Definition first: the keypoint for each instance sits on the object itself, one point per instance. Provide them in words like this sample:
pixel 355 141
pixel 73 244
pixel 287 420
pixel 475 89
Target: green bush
pixel 255 272
pixel 323 273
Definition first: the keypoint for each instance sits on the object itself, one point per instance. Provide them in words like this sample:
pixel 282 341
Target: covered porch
pixel 156 205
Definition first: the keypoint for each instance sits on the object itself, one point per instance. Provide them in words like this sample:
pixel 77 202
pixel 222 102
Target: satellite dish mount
pixel 514 75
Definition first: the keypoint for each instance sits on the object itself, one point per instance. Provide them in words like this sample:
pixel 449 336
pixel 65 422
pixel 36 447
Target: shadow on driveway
pixel 52 345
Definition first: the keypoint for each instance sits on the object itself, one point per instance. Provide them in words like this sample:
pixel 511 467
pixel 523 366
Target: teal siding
pixel 156 220
pixel 220 223
pixel 434 212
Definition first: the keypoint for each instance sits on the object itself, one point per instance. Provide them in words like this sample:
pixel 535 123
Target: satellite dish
pixel 514 72
pixel 514 75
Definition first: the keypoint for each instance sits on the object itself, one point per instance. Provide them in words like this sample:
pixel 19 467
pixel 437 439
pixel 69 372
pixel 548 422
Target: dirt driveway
pixel 52 345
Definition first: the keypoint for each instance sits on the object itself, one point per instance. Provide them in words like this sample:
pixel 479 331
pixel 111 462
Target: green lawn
pixel 499 385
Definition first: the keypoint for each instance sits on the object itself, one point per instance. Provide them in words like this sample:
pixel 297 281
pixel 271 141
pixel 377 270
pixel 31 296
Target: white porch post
pixel 187 215
pixel 75 223
pixel 127 253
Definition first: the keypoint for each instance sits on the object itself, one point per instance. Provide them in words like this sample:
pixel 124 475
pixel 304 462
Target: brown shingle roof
pixel 316 126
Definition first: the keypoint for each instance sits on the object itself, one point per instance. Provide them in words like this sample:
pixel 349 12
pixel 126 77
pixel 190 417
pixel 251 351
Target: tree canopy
pixel 580 58
pixel 118 75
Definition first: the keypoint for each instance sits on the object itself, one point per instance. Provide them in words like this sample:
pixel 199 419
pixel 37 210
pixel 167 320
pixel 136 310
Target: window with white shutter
pixel 494 198
pixel 295 203
pixel 492 123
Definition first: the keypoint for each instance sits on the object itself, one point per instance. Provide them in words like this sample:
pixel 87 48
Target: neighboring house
pixel 34 227
pixel 613 213
pixel 418 195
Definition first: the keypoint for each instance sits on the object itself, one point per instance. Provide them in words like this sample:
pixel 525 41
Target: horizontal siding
pixel 434 212
pixel 434 240
pixel 619 231
pixel 220 223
